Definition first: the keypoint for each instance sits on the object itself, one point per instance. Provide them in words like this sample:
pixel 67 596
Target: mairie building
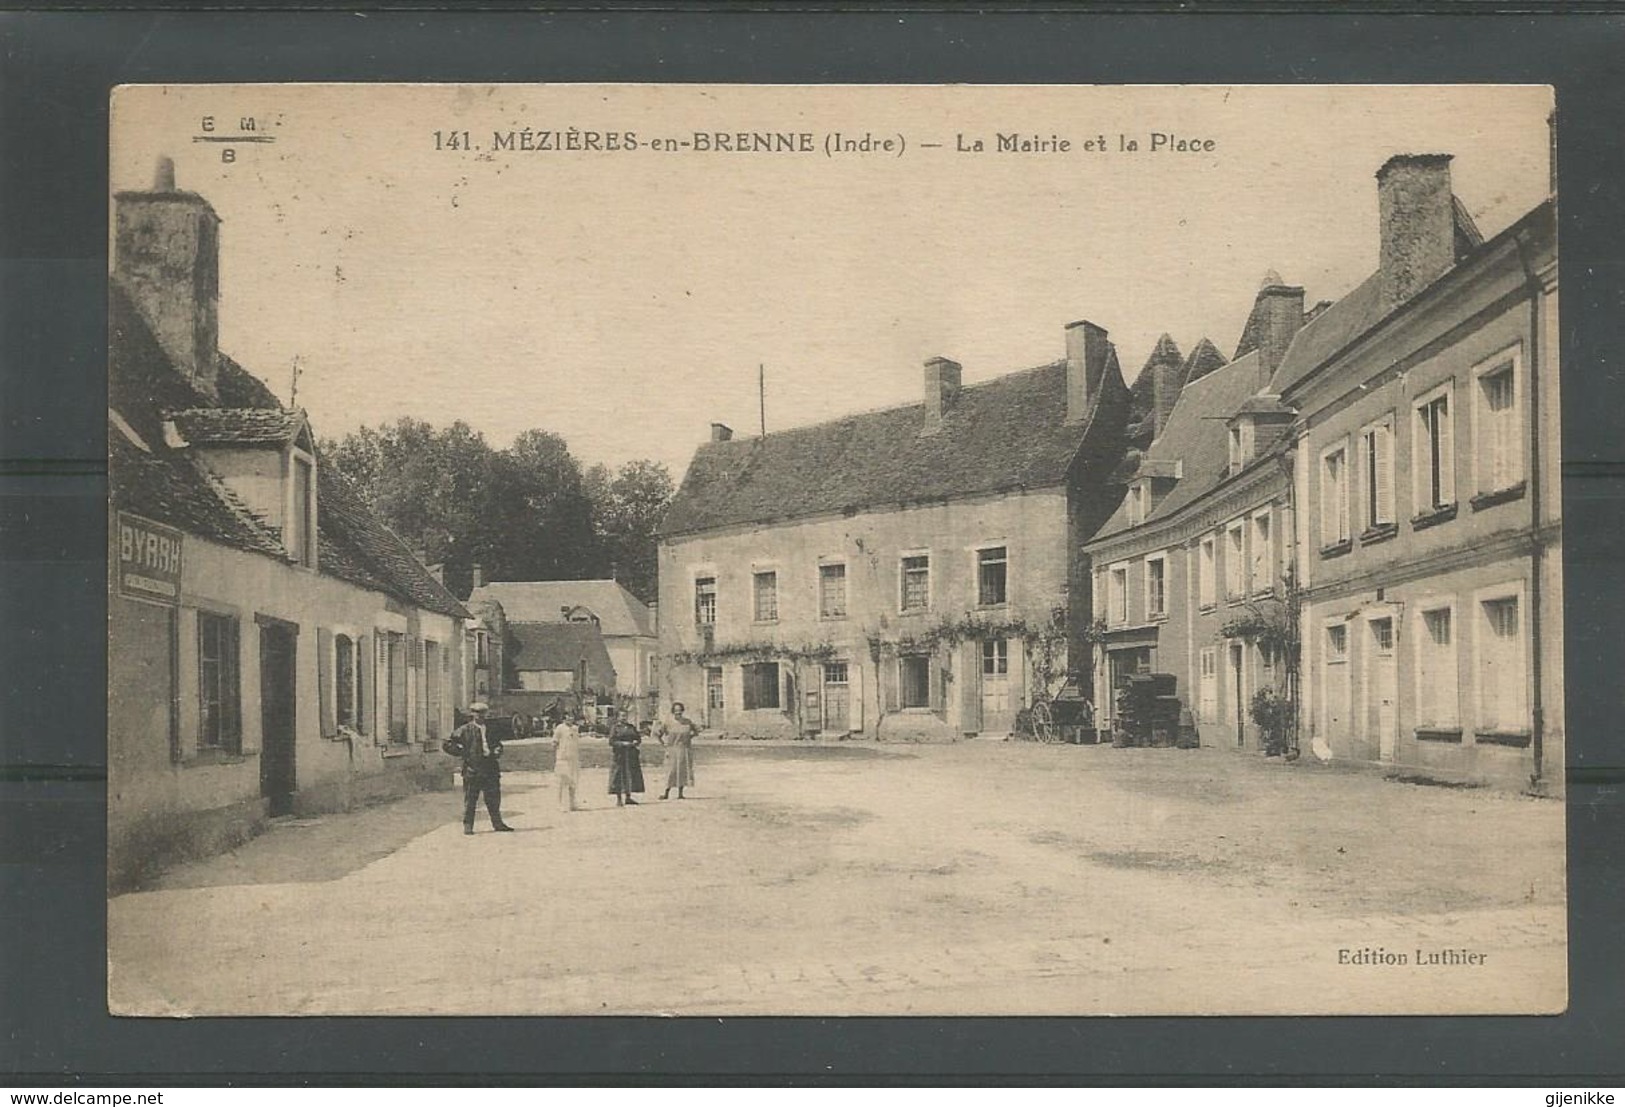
pixel 910 573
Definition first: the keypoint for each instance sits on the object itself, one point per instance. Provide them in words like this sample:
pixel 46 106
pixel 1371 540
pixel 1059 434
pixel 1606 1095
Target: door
pixel 278 650
pixel 1238 684
pixel 997 717
pixel 1208 702
pixel 713 697
pixel 837 698
pixel 1383 686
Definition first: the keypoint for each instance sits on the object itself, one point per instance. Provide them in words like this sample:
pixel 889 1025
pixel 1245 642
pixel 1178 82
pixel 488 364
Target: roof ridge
pixel 889 408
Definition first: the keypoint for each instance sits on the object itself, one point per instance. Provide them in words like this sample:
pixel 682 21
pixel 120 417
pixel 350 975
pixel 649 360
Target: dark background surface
pixel 55 75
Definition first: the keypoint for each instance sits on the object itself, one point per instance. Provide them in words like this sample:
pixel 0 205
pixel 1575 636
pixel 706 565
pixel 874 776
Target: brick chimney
pixel 167 258
pixel 721 432
pixel 478 572
pixel 1417 216
pixel 942 378
pixel 1087 353
pixel 1276 317
pixel 1166 367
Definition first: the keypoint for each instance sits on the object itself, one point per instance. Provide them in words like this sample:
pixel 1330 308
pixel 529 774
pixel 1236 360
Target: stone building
pixel 272 647
pixel 905 573
pixel 1430 529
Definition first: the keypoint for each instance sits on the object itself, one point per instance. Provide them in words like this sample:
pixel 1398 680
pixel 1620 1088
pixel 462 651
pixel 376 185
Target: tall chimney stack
pixel 478 572
pixel 166 251
pixel 1418 220
pixel 1276 318
pixel 1087 352
pixel 942 378
pixel 721 432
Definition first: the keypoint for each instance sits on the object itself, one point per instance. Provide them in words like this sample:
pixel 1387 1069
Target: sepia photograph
pixel 824 550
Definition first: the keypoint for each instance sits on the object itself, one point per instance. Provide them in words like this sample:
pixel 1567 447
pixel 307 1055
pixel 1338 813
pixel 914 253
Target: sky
pixel 626 299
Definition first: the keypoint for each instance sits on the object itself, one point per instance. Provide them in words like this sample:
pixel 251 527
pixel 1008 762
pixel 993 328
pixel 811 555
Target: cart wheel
pixel 1043 722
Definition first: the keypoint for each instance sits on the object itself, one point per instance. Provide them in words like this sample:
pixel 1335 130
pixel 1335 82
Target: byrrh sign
pixel 149 560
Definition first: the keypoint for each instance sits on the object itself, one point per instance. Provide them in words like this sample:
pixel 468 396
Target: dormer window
pixel 1136 504
pixel 1241 444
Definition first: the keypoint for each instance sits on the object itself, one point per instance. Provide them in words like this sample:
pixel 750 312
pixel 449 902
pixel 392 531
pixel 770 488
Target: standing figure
pixel 567 761
pixel 482 769
pixel 677 735
pixel 627 775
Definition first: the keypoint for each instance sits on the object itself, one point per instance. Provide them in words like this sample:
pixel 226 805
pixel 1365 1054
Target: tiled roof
pixel 560 647
pixel 1000 435
pixel 1197 437
pixel 620 613
pixel 1329 332
pixel 1202 360
pixel 171 485
pixel 237 426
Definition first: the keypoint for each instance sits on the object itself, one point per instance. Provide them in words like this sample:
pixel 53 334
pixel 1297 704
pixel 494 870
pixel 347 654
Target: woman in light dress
pixel 677 735
pixel 567 761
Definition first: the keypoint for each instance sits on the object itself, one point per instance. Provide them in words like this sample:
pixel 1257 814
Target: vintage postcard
pixel 834 550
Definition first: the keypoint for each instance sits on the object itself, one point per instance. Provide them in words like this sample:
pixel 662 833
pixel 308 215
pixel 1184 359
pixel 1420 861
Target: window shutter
pixel 1383 442
pixel 787 703
pixel 363 683
pixel 1328 498
pixel 936 695
pixel 970 694
pixel 232 723
pixel 854 693
pixel 1447 452
pixel 324 680
pixel 891 674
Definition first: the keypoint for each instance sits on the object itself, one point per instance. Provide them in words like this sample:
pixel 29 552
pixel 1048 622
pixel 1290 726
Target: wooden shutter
pixel 1447 450
pixel 231 708
pixel 364 707
pixel 936 695
pixel 854 695
pixel 890 675
pixel 970 693
pixel 324 681
pixel 1383 442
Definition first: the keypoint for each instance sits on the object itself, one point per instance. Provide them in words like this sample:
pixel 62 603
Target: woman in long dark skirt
pixel 626 776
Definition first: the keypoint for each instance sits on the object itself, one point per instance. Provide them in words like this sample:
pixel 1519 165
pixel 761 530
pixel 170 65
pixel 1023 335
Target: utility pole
pixel 761 393
pixel 293 390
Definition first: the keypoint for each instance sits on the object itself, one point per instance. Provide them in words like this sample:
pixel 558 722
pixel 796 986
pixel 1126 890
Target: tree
pixel 524 513
pixel 628 505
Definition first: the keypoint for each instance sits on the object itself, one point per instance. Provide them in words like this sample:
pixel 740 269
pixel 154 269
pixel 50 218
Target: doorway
pixel 278 713
pixel 837 698
pixel 997 718
pixel 713 697
pixel 1383 686
pixel 1238 656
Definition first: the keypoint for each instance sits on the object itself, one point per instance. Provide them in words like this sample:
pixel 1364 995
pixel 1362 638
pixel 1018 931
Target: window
pixel 916 583
pixel 301 535
pixel 991 576
pixel 1235 564
pixel 761 685
pixel 344 682
pixel 1501 667
pixel 219 689
pixel 1434 454
pixel 1334 497
pixel 1382 635
pixel 482 649
pixel 1263 569
pixel 1206 570
pixel 432 673
pixel 765 588
pixel 1437 682
pixel 1337 642
pixel 995 656
pixel 1377 475
pixel 1236 455
pixel 914 679
pixel 705 601
pixel 1136 505
pixel 1156 589
pixel 1500 446
pixel 832 591
pixel 1117 597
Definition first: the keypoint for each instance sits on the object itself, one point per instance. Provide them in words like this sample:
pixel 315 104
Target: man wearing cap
pixel 482 771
